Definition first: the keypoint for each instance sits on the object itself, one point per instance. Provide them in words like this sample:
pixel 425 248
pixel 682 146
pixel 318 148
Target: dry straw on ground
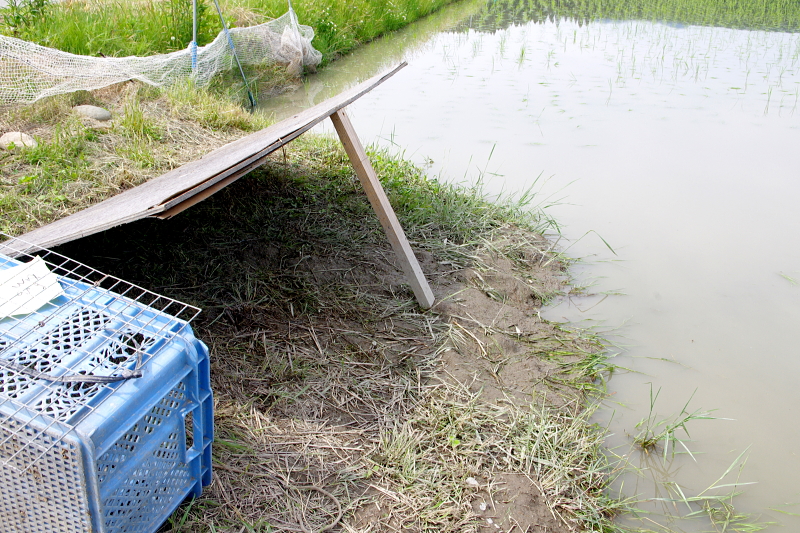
pixel 340 405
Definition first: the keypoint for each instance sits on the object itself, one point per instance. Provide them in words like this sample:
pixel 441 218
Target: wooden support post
pixel 380 203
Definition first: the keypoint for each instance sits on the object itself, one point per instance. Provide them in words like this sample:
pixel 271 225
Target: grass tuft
pixel 80 161
pixel 455 435
pixel 205 107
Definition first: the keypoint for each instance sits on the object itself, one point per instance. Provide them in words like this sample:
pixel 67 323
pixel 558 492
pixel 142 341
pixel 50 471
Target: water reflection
pixel 679 146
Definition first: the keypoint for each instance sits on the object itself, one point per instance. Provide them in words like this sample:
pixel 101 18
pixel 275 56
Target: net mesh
pixel 29 71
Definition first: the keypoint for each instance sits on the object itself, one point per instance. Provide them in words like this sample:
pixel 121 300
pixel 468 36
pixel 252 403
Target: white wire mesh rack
pixel 60 361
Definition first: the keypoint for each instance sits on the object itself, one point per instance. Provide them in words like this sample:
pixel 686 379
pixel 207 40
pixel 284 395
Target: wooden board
pixel 382 207
pixel 172 192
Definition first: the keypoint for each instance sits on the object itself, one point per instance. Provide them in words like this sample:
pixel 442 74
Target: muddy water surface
pixel 680 147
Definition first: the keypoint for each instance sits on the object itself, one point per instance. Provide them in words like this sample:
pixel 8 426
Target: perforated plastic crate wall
pixel 138 448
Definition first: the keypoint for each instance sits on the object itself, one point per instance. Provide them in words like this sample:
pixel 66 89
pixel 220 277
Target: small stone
pixel 91 111
pixel 17 139
pixel 489 521
pixel 472 482
pixel 483 506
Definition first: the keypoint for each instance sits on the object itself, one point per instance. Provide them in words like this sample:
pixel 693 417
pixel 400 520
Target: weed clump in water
pixel 653 431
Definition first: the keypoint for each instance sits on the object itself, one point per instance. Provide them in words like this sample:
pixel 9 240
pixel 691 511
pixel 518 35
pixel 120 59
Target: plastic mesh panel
pixel 152 487
pixel 46 354
pixel 66 399
pixel 51 432
pixel 69 348
pixel 50 496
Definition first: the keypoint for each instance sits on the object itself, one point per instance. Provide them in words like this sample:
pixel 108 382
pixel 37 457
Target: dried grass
pixel 340 405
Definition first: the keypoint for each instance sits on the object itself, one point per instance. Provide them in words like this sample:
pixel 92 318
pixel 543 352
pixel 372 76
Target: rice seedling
pixel 775 15
pixel 784 511
pixel 769 98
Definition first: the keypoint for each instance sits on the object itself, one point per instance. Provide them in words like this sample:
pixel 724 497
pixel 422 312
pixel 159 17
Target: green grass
pixel 112 28
pixel 453 435
pixel 213 108
pixel 653 431
pixel 342 26
pixel 456 213
pixel 778 15
pixel 146 27
pixel 242 254
pixel 134 124
pixel 45 173
pixel 715 503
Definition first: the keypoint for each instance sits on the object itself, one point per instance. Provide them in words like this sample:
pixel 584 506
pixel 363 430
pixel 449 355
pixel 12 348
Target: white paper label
pixel 27 287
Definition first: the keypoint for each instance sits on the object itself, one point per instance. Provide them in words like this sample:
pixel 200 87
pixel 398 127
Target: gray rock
pixel 91 111
pixel 17 139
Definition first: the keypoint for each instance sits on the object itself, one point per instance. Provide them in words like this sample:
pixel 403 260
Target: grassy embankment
pixel 91 27
pixel 76 165
pixel 410 435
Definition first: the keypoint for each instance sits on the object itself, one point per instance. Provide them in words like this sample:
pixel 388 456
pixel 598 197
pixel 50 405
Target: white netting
pixel 29 72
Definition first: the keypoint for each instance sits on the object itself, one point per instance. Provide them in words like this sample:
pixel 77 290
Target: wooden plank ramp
pixel 178 189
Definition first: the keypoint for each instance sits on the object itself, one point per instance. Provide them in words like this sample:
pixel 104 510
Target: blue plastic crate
pixel 101 457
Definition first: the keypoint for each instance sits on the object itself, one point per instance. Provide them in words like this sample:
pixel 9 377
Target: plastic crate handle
pixel 192 451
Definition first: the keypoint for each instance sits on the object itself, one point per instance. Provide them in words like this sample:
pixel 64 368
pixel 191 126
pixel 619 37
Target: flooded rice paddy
pixel 679 145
